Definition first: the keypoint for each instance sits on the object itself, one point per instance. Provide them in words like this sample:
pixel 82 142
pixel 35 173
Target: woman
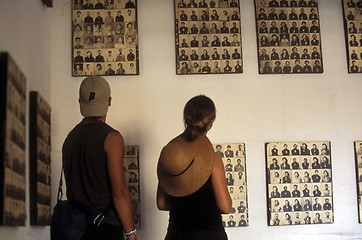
pixel 192 182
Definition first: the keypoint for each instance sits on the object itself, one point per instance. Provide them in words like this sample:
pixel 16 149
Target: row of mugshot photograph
pixel 297 218
pixel 295 66
pixel 300 204
pixel 304 190
pixel 300 176
pixel 211 53
pixel 281 53
pixel 216 14
pixel 297 148
pixel 103 4
pixel 216 40
pixel 287 3
pixel 352 3
pixel 299 162
pixel 211 27
pixel 290 14
pixel 108 68
pixel 288 40
pixel 105 55
pixel 286 27
pixel 206 3
pixel 100 18
pixel 205 67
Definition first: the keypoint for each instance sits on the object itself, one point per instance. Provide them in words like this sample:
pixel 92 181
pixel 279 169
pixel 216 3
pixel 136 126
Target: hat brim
pixel 197 171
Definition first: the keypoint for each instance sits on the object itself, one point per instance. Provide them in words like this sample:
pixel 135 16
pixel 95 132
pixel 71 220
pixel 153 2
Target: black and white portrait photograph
pixel 299 186
pixel 13 142
pixel 358 156
pixel 352 12
pixel 288 37
pixel 105 37
pixel 131 166
pixel 208 37
pixel 39 159
pixel 233 157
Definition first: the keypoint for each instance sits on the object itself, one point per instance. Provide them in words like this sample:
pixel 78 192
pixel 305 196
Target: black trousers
pixel 104 231
pixel 196 235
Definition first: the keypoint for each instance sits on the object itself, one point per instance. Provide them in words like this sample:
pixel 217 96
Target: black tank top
pixel 195 212
pixel 85 169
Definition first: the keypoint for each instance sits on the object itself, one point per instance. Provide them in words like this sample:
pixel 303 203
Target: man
pixel 285 151
pixel 93 165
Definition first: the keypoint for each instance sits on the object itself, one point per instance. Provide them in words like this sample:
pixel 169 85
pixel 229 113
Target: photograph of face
pixel 352 12
pixel 233 157
pixel 288 35
pixel 299 183
pixel 208 37
pixel 105 37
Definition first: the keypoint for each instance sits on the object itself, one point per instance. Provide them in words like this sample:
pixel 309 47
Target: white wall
pixel 25 34
pixel 252 108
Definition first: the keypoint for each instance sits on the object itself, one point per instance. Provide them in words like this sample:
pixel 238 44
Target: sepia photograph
pixel 352 16
pixel 299 183
pixel 13 142
pixel 233 157
pixel 104 38
pixel 288 37
pixel 131 166
pixel 208 37
pixel 39 160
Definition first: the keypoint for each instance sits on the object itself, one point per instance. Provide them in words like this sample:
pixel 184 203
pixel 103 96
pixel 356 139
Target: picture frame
pixel 104 38
pixel 288 37
pixel 12 142
pixel 299 183
pixel 208 37
pixel 352 19
pixel 39 160
pixel 234 160
pixel 358 158
pixel 132 168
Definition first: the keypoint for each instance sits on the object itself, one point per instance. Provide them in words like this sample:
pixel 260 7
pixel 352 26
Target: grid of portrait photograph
pixel 299 187
pixel 233 157
pixel 288 35
pixel 358 155
pixel 13 142
pixel 39 159
pixel 353 31
pixel 131 166
pixel 208 37
pixel 104 37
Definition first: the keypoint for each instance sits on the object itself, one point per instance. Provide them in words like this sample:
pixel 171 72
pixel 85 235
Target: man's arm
pixel 114 147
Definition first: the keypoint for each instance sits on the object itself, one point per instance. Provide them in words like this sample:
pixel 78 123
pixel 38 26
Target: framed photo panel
pixel 352 12
pixel 233 156
pixel 208 37
pixel 288 36
pixel 12 142
pixel 299 187
pixel 39 157
pixel 131 165
pixel 358 154
pixel 104 37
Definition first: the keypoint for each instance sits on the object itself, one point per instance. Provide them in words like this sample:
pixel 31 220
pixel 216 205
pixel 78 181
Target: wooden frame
pixel 104 37
pixel 233 156
pixel 131 165
pixel 12 142
pixel 39 157
pixel 358 156
pixel 299 175
pixel 288 36
pixel 208 37
pixel 352 16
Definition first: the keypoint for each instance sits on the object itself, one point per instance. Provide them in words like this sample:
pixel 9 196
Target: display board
pixel 358 154
pixel 233 156
pixel 208 37
pixel 288 35
pixel 104 37
pixel 353 31
pixel 131 165
pixel 299 183
pixel 39 158
pixel 12 142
